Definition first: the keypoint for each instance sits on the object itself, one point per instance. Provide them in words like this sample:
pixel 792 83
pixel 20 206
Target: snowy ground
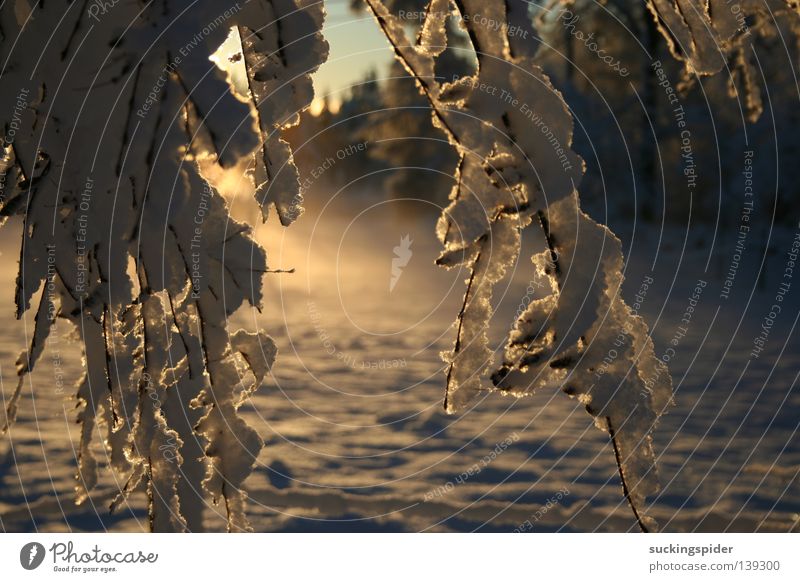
pixel 356 440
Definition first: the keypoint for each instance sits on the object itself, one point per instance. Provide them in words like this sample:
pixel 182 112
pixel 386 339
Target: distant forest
pixel 634 160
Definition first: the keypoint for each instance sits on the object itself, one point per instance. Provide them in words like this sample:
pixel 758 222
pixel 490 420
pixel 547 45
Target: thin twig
pixel 461 315
pixel 625 489
pixel 426 91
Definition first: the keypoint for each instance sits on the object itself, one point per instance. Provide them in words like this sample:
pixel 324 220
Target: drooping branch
pixel 513 133
pixel 148 376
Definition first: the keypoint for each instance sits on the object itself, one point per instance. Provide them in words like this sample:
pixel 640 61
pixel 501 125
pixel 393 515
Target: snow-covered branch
pixel 130 243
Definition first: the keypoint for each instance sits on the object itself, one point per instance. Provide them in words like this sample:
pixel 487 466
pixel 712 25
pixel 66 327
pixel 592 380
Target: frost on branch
pixel 712 35
pixel 279 61
pixel 513 132
pixel 103 127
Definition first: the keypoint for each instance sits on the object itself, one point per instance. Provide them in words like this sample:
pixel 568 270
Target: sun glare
pixel 228 57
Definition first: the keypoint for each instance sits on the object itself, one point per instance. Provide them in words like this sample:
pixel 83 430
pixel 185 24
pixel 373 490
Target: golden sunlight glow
pixel 228 57
pixel 319 104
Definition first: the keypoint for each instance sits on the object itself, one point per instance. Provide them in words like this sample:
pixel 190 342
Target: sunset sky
pixel 356 46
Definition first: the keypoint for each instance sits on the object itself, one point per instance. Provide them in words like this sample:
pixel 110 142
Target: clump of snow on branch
pixel 712 35
pixel 103 127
